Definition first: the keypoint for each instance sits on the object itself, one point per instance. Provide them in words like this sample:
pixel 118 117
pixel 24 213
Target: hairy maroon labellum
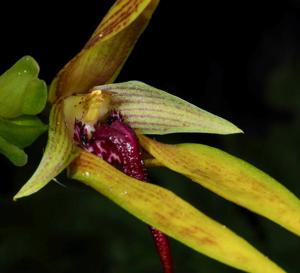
pixel 117 143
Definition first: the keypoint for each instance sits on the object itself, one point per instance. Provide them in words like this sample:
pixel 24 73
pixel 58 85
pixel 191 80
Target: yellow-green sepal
pixel 231 178
pixel 102 58
pixel 170 214
pixel 58 154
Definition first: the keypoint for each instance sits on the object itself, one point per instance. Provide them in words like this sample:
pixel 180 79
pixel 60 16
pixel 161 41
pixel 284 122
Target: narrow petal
pixel 154 111
pixel 102 57
pixel 170 214
pixel 231 178
pixel 58 154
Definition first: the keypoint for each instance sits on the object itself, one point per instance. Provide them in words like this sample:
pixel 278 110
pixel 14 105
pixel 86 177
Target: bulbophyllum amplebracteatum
pixel 97 131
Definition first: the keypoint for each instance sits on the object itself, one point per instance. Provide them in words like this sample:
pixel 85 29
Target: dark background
pixel 239 61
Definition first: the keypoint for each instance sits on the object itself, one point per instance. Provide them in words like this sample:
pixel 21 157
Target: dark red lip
pixel 117 143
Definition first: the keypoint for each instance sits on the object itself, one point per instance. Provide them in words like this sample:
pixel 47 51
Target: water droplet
pixel 100 35
pixel 25 71
pixel 87 174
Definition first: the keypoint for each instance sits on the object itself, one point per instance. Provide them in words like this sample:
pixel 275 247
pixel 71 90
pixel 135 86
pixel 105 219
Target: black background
pixel 237 60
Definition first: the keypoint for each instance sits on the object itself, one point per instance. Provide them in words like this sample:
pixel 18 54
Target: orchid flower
pixel 97 130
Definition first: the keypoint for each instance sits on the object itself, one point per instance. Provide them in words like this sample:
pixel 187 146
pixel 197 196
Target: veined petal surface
pixel 154 111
